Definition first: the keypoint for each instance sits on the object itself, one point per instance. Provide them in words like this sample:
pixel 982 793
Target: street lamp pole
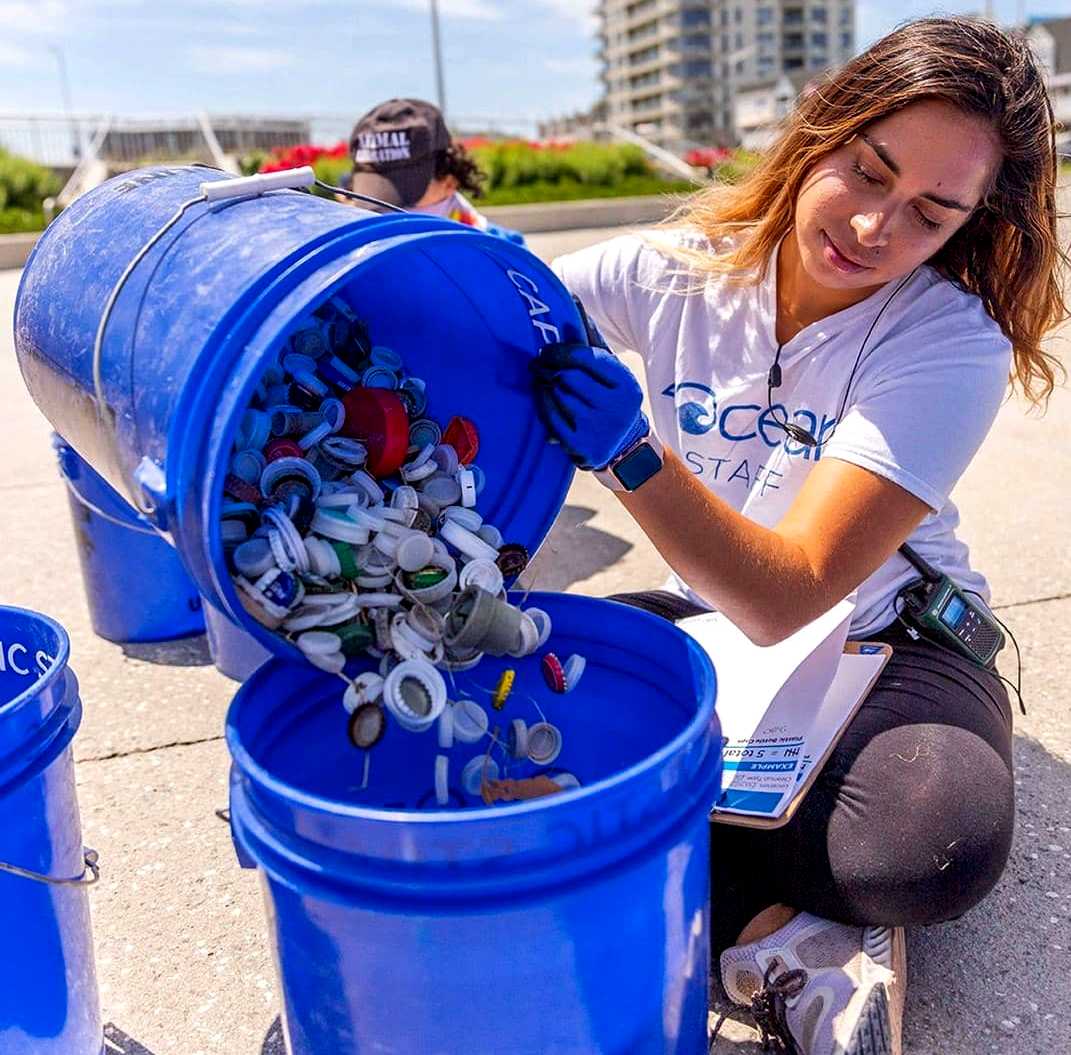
pixel 65 88
pixel 437 56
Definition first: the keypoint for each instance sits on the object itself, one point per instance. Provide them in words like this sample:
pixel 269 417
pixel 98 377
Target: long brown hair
pixel 1007 252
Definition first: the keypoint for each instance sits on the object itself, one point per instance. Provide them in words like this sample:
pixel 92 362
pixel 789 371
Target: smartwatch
pixel 634 466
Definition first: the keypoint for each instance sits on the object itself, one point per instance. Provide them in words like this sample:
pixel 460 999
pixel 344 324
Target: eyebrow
pixel 947 203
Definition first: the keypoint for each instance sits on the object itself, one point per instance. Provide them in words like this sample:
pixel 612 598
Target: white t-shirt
pixel 928 386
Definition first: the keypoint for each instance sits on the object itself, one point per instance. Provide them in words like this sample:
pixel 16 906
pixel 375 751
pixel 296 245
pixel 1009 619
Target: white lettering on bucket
pixel 10 651
pixel 44 661
pixel 548 331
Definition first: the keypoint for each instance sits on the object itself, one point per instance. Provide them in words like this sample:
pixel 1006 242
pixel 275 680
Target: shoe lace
pixel 768 1007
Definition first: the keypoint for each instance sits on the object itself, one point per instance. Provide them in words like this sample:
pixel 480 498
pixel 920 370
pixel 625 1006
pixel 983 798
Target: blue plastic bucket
pixel 573 924
pixel 235 653
pixel 210 305
pixel 48 987
pixel 136 587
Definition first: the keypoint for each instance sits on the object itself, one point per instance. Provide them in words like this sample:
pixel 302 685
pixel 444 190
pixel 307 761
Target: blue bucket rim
pixel 59 662
pixel 251 768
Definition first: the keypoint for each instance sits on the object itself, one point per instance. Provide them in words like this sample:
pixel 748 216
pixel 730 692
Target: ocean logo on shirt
pixel 699 413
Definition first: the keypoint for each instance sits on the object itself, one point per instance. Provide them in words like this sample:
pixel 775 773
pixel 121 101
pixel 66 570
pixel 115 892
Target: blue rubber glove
pixel 589 401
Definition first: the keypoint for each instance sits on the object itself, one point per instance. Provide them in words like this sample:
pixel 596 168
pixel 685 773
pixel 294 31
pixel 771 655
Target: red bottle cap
pixel 377 417
pixel 283 449
pixel 461 434
pixel 553 672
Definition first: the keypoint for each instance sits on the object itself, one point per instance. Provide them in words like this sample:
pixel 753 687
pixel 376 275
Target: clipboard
pixel 860 667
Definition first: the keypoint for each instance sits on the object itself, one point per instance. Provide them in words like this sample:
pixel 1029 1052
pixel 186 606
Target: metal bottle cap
pixel 366 725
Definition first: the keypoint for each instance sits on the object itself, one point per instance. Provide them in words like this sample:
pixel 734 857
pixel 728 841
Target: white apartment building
pixel 1051 40
pixel 671 68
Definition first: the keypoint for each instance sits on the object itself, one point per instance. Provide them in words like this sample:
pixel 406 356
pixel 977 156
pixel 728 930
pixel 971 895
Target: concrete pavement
pixel 181 952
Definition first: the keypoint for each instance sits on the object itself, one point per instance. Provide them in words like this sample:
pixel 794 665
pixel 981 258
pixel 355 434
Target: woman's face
pixel 886 201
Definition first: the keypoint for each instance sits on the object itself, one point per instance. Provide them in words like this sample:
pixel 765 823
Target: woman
pixel 826 347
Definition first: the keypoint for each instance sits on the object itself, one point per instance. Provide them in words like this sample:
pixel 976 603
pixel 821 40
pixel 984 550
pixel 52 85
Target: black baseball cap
pixel 393 149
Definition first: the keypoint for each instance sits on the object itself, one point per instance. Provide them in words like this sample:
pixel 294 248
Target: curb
pixel 576 215
pixel 15 248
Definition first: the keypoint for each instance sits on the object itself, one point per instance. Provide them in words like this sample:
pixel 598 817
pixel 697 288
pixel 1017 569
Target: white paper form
pixel 772 705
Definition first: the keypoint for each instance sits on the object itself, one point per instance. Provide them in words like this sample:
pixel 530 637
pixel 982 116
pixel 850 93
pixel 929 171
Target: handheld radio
pixel 943 612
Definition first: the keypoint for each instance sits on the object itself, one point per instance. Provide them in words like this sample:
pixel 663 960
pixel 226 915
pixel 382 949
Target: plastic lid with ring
pixel 544 743
pixel 442 786
pixel 446 459
pixel 518 738
pixel 466 484
pixel 470 721
pixel 386 357
pixel 528 639
pixel 482 573
pixel 314 436
pixel 542 623
pixel 342 452
pixel 367 483
pixel 378 600
pixel 415 693
pixel 469 519
pixel 367 687
pixel 319 643
pixel 337 524
pixel 254 558
pixel 575 666
pixel 425 431
pixel 292 472
pixel 476 771
pixel 322 558
pixel 446 727
pixel 334 413
pixel 248 465
pixel 414 552
pixel 444 489
pixel 466 542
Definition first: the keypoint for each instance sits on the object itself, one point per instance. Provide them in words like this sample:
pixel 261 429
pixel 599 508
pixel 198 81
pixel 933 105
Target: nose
pixel 870 228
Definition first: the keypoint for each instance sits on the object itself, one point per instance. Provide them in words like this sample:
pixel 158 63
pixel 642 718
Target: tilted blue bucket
pixel 136 587
pixel 574 924
pixel 214 302
pixel 48 987
pixel 236 653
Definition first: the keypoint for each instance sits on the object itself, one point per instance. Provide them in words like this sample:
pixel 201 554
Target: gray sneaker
pixel 822 988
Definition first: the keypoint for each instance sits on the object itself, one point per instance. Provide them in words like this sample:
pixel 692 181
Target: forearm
pixel 760 579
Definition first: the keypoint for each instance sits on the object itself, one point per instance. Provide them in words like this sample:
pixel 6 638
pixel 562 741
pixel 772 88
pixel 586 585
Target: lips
pixel 844 256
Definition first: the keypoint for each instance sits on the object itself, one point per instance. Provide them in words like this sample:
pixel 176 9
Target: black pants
pixel 909 821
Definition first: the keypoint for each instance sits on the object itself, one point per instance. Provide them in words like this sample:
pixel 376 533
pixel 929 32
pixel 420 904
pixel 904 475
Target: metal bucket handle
pixel 90 857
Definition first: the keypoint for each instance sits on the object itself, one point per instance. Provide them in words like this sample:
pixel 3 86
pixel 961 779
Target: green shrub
pixel 330 170
pixel 24 185
pixel 514 164
pixel 21 221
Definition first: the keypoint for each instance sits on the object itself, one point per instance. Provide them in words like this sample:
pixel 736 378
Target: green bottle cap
pixel 346 558
pixel 430 576
pixel 355 637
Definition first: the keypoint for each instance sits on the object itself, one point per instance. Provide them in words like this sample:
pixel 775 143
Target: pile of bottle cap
pixel 350 526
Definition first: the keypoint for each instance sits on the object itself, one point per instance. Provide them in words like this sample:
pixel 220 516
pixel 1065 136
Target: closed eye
pixel 867 178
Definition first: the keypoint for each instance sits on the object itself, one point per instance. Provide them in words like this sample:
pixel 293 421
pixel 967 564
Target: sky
pixel 504 60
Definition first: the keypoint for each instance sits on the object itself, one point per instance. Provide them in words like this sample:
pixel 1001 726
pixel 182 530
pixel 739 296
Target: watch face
pixel 638 467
